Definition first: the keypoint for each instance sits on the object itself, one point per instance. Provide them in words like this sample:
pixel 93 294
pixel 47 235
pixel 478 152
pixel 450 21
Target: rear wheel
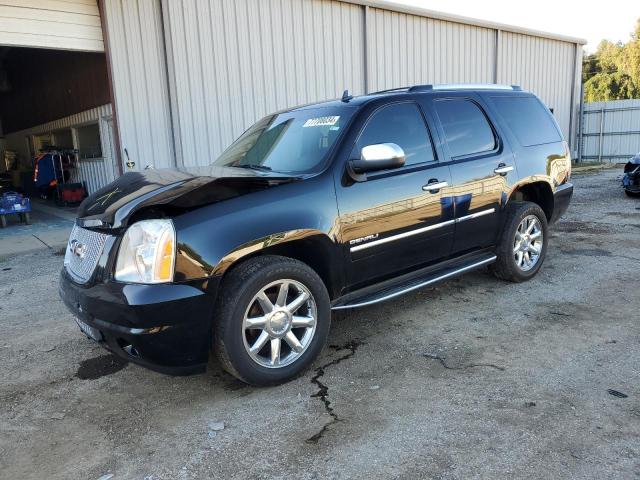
pixel 523 244
pixel 632 194
pixel 3 221
pixel 272 320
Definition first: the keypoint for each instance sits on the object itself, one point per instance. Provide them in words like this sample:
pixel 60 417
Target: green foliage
pixel 610 86
pixel 613 72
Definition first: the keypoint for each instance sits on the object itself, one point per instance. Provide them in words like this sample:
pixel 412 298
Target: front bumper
pixel 166 328
pixel 561 200
pixel 631 182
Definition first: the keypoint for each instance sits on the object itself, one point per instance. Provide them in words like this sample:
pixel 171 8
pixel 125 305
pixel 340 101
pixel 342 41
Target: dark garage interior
pixel 48 126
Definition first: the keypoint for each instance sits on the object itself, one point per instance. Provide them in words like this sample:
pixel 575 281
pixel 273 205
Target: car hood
pixel 114 204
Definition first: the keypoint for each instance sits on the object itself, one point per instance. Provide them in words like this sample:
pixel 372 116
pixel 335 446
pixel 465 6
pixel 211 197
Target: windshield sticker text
pixel 321 121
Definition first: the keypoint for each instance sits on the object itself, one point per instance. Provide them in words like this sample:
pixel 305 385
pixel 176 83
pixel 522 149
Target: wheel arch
pixel 310 247
pixel 536 191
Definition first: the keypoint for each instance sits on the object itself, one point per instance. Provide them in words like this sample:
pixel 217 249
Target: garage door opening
pixel 56 137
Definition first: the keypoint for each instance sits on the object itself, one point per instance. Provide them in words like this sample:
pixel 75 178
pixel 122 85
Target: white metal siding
pixel 542 66
pixel 139 75
pixel 232 62
pixel 58 24
pixel 191 76
pixel 410 50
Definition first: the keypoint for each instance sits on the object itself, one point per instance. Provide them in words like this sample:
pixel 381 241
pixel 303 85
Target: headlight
pixel 147 252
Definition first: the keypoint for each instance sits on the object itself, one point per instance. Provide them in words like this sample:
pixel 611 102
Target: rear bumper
pixel 166 328
pixel 561 200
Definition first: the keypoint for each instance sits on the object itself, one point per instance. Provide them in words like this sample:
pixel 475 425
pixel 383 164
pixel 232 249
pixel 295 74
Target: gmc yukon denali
pixel 336 205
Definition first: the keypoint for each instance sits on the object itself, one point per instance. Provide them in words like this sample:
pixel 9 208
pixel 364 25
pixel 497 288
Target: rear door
pixel 396 221
pixel 482 168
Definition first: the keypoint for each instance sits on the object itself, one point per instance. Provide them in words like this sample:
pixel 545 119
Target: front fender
pixel 212 238
pixel 264 243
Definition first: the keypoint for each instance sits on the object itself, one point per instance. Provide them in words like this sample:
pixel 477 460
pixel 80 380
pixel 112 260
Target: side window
pixel 403 125
pixel 465 126
pixel 528 119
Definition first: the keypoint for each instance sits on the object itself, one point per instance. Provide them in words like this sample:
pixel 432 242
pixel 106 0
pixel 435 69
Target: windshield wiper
pixel 262 168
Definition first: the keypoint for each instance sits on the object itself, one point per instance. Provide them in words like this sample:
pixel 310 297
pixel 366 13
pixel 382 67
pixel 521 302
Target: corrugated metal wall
pixel 610 131
pixel 60 24
pixel 95 172
pixel 233 61
pixel 139 77
pixel 227 63
pixel 543 66
pixel 411 50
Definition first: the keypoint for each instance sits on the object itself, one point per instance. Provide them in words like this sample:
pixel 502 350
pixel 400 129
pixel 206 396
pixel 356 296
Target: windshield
pixel 290 142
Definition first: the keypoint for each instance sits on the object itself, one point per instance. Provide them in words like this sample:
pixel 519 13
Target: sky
pixel 588 19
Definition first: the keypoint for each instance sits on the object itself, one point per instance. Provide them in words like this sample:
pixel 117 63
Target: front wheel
pixel 272 320
pixel 523 243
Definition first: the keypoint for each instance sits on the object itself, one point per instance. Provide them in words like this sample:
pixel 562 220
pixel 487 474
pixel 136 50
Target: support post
pixel 601 137
pixel 114 110
pixel 497 53
pixel 581 122
pixel 365 48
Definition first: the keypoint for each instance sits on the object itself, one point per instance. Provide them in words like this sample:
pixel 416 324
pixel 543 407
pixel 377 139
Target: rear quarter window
pixel 528 119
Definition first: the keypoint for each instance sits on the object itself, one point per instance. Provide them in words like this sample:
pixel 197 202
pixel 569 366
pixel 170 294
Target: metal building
pixel 188 77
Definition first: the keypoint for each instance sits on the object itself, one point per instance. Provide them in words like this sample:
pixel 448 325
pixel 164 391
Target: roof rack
pixel 464 86
pixel 390 90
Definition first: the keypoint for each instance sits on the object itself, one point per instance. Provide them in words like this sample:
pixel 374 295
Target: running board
pixel 414 284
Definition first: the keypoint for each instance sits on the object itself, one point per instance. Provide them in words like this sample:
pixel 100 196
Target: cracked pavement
pixel 472 378
pixel 323 390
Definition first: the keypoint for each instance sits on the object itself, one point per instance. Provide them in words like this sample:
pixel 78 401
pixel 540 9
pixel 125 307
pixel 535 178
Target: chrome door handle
pixel 503 169
pixel 434 187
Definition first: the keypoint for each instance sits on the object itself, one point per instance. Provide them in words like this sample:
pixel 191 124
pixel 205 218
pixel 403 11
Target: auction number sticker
pixel 322 121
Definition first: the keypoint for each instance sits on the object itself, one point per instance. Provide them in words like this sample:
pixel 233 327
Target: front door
pixel 398 219
pixel 482 167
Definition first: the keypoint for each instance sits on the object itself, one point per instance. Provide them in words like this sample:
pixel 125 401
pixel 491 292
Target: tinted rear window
pixel 528 119
pixel 465 127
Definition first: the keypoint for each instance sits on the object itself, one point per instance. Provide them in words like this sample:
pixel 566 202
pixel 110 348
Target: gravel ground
pixel 474 378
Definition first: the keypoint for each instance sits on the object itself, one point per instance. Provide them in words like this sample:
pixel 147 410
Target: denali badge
pixel 78 249
pixel 356 241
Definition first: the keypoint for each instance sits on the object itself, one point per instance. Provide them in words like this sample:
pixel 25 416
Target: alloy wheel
pixel 528 243
pixel 279 323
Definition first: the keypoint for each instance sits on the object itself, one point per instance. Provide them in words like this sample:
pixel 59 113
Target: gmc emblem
pixel 78 249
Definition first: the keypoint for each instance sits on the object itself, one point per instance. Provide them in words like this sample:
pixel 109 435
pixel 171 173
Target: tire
pixel 239 305
pixel 27 218
pixel 509 265
pixel 3 221
pixel 632 194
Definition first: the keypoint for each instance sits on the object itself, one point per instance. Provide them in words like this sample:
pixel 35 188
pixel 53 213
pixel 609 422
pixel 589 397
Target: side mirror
pixel 381 156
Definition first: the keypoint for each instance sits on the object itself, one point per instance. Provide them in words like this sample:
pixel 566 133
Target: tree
pixel 613 72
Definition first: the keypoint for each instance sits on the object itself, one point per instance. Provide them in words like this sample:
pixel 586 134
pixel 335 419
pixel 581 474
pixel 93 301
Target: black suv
pixel 335 205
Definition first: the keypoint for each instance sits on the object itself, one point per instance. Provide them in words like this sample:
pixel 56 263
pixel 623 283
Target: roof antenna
pixel 346 97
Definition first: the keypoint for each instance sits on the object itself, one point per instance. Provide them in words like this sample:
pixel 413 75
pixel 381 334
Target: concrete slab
pixel 67 213
pixel 54 239
pixel 19 244
pixel 49 230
